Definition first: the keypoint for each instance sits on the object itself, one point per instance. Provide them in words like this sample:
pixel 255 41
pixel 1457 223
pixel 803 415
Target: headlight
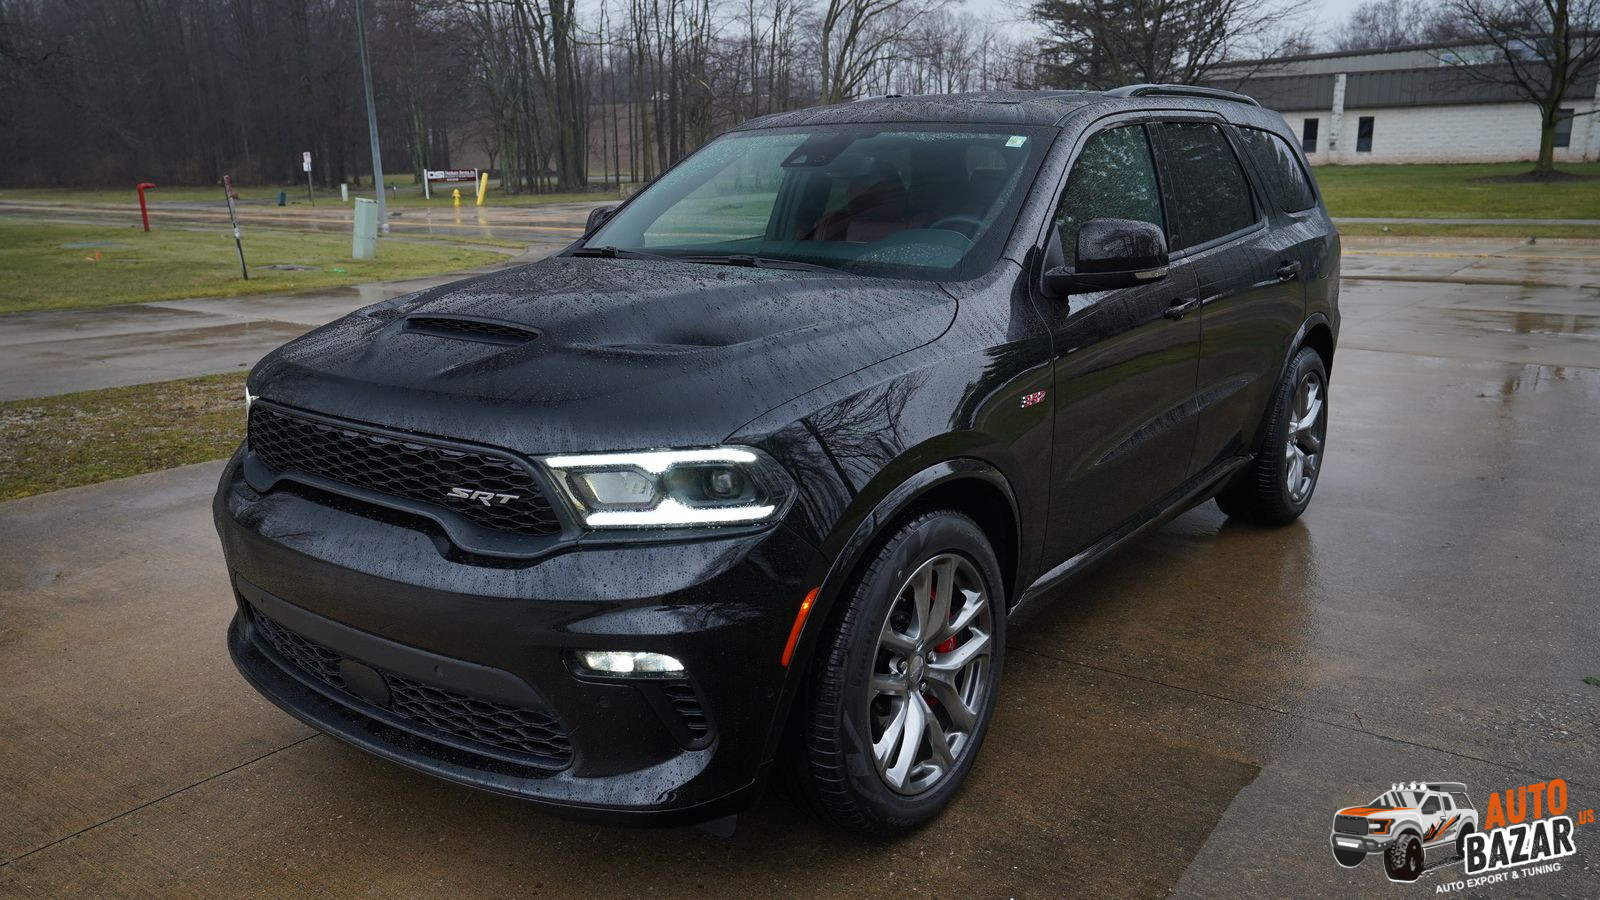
pixel 1378 826
pixel 673 488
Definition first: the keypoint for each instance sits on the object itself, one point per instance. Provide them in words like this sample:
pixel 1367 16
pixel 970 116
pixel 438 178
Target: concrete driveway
pixel 1186 720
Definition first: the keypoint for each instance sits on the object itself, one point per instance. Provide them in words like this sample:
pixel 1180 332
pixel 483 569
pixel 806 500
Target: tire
pixel 1349 858
pixel 1292 451
pixel 1403 859
pixel 872 670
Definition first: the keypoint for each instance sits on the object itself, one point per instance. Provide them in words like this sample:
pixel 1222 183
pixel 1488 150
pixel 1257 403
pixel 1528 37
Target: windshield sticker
pixel 1016 140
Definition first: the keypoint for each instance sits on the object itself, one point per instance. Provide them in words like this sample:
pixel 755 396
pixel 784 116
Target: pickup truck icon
pixel 1416 826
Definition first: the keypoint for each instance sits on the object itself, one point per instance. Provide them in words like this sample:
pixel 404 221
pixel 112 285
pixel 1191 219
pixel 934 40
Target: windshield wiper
pixel 755 262
pixel 609 252
pixel 710 259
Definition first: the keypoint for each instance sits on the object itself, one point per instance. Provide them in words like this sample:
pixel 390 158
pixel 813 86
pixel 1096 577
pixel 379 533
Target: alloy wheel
pixel 1303 450
pixel 930 675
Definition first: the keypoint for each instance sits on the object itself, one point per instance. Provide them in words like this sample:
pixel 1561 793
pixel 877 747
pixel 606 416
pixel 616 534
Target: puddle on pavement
pixel 1533 379
pixel 1529 322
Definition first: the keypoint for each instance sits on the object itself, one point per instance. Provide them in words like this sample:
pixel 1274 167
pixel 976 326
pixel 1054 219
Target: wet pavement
pixel 1186 720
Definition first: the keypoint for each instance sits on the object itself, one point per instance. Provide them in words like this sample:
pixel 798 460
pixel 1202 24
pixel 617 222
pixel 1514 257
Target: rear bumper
pixel 362 629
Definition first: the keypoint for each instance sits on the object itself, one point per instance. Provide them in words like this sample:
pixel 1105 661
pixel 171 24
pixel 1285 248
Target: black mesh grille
pixel 313 659
pixel 471 329
pixel 411 468
pixel 1350 824
pixel 533 736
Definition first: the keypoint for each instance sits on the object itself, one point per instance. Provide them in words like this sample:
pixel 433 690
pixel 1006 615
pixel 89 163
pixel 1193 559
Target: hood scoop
pixel 484 331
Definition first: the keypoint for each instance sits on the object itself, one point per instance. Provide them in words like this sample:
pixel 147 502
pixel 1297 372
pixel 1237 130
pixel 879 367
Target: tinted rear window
pixel 1210 194
pixel 1286 181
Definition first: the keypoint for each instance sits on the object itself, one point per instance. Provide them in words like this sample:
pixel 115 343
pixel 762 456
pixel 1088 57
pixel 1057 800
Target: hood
pixel 581 354
pixel 1371 810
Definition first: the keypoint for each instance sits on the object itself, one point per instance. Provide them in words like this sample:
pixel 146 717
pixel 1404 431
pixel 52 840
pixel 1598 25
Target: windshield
pixel 936 203
pixel 1399 799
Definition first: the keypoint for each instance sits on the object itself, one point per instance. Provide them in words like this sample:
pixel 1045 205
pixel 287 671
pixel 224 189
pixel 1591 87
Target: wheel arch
pixel 1318 335
pixel 1315 332
pixel 968 485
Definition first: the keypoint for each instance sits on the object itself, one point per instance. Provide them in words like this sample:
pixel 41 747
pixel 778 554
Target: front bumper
pixel 362 628
pixel 1355 843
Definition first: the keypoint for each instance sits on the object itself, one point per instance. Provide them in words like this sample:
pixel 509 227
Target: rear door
pixel 1251 297
pixel 1124 360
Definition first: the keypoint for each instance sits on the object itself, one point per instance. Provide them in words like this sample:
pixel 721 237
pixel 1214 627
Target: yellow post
pixel 455 196
pixel 483 187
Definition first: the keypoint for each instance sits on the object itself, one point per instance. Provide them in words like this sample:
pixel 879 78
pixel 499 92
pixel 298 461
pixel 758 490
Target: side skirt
pixel 1200 489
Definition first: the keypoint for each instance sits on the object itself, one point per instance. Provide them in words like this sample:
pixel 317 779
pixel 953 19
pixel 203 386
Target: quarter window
pixel 1209 192
pixel 1364 134
pixel 1114 178
pixel 1286 181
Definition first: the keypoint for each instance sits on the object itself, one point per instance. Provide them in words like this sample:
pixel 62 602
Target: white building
pixel 1410 105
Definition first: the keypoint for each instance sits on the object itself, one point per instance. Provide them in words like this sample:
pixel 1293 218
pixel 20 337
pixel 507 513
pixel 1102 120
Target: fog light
pixel 629 662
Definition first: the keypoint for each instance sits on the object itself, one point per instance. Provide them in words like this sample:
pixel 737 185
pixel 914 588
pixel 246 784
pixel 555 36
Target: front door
pixel 1125 361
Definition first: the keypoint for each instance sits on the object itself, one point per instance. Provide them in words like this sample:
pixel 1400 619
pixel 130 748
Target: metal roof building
pixel 1410 104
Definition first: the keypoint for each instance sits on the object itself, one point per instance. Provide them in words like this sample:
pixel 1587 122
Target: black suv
pixel 751 478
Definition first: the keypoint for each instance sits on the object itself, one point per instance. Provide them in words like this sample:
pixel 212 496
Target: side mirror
pixel 1112 253
pixel 598 217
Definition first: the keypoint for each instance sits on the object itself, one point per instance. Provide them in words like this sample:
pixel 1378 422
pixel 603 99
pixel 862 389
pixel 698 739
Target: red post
pixel 144 211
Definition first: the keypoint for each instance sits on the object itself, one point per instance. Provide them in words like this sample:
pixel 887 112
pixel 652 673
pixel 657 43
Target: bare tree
pixel 1376 24
pixel 859 36
pixel 1540 48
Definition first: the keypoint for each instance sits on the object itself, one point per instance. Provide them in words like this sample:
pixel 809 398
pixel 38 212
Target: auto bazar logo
pixel 1424 826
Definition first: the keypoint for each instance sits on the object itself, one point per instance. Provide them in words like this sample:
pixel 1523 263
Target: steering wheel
pixel 973 223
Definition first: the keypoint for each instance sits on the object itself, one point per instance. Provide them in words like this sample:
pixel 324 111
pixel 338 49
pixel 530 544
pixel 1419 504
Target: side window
pixel 1210 194
pixel 1431 806
pixel 1114 178
pixel 1286 182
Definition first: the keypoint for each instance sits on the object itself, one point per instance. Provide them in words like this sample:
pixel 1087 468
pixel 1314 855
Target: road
pixel 1186 720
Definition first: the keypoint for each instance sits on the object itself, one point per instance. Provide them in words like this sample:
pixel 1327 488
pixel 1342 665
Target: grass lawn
pixel 75 439
pixel 1372 229
pixel 50 266
pixel 1449 192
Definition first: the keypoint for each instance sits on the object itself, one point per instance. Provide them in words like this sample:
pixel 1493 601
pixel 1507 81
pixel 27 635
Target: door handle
pixel 1289 271
pixel 1182 307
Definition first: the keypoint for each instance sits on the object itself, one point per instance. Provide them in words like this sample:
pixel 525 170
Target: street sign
pixel 305 161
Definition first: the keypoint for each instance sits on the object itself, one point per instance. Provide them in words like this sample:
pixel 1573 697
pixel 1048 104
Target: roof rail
pixel 1179 90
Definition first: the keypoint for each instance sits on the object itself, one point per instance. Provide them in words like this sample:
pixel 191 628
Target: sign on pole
pixel 305 163
pixel 429 176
